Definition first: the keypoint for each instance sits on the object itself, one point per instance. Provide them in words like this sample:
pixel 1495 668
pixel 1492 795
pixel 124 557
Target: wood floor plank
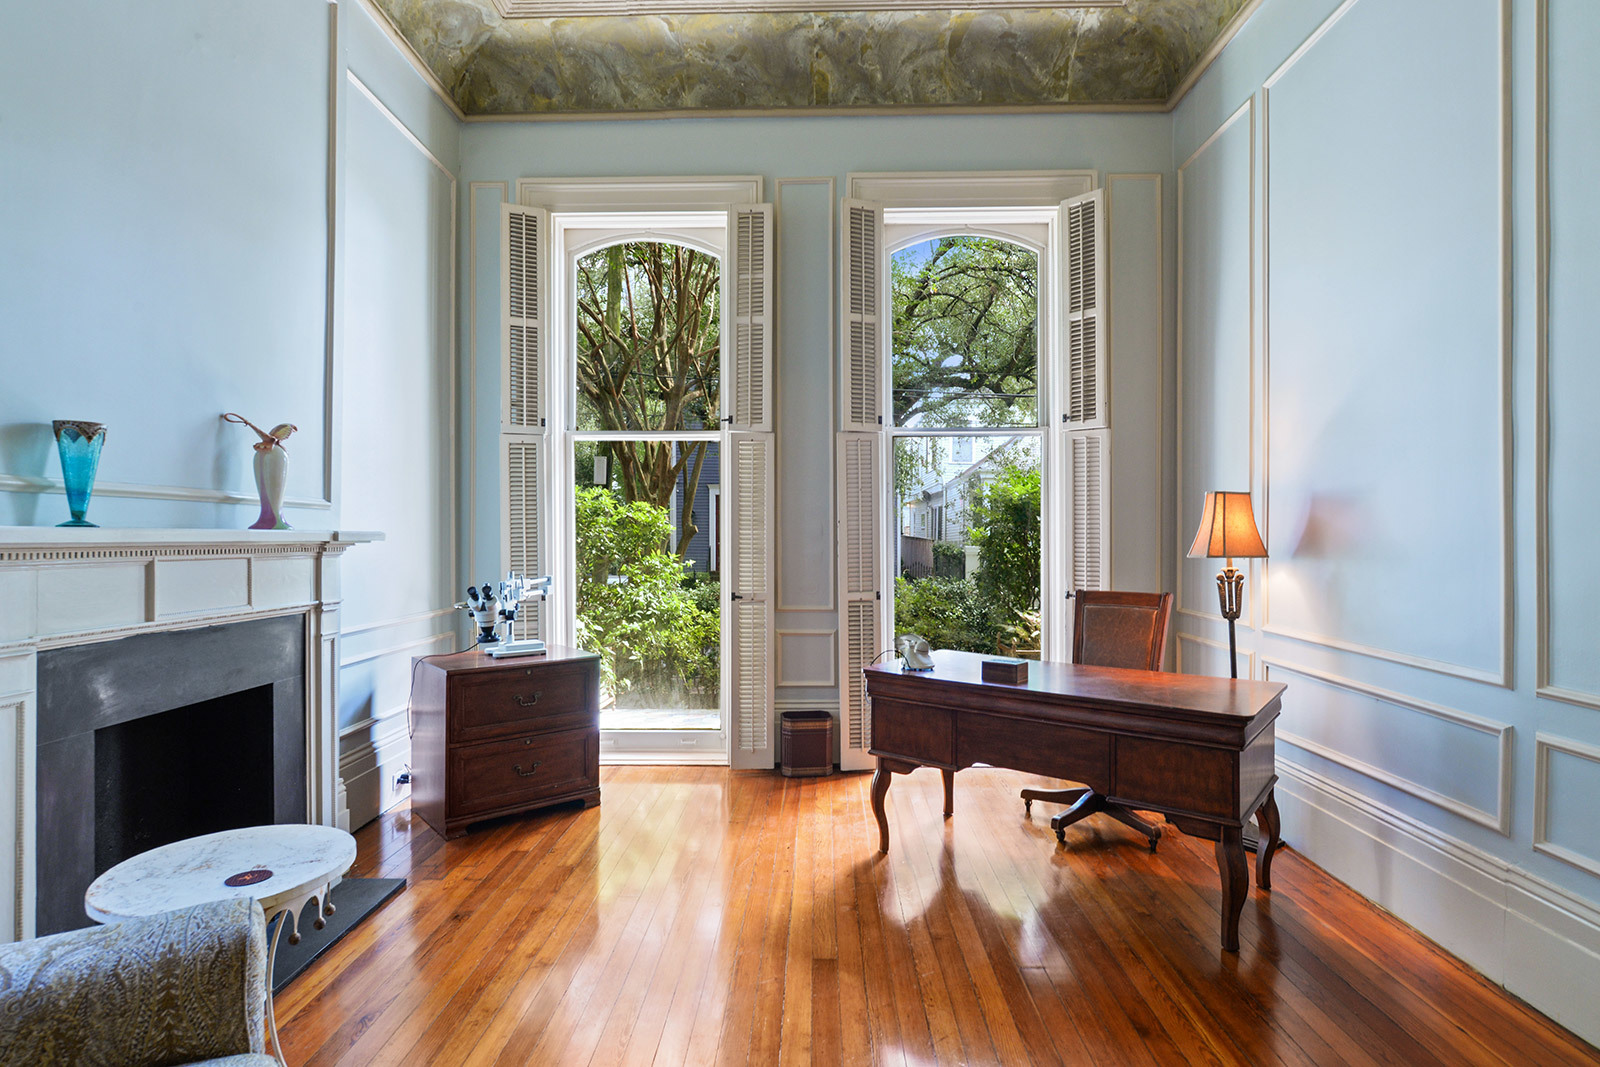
pixel 705 915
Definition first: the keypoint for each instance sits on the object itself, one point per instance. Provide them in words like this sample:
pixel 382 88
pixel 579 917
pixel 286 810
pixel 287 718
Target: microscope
pixel 495 611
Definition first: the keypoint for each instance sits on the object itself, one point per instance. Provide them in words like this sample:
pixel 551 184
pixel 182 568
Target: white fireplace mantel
pixel 72 586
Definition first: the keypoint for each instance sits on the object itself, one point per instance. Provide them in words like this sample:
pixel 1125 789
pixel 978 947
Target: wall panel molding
pixel 1544 685
pixel 1498 820
pixel 829 637
pixel 1246 112
pixel 783 603
pixel 1543 746
pixel 1501 674
pixel 1247 655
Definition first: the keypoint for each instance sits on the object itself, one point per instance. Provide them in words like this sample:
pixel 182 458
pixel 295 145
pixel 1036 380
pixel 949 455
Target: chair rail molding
pixel 70 587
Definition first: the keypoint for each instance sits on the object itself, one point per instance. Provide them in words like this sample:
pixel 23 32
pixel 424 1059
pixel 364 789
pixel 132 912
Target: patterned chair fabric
pixel 183 987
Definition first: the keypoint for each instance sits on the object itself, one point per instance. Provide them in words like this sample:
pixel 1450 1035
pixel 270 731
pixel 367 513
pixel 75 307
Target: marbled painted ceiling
pixel 1137 53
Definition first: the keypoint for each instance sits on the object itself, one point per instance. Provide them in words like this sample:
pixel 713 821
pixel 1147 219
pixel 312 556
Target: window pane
pixel 967 556
pixel 966 333
pixel 649 342
pixel 648 596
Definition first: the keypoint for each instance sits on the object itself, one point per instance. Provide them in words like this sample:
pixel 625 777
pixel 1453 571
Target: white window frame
pixel 574 235
pixel 1035 228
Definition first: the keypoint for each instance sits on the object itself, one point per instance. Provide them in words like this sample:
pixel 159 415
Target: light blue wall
pixel 165 212
pixel 400 397
pixel 784 151
pixel 163 201
pixel 1354 349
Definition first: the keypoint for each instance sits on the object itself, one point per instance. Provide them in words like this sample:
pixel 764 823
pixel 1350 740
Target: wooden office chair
pixel 1111 630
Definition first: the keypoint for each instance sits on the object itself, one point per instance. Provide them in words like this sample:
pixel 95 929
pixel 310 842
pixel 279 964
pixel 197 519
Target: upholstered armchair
pixel 186 986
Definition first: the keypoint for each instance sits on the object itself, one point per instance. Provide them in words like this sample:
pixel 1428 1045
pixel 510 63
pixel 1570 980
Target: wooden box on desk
pixel 499 736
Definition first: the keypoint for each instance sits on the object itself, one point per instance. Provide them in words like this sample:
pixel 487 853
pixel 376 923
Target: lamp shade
pixel 1227 528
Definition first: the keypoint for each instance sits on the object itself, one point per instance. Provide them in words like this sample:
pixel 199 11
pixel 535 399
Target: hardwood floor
pixel 705 916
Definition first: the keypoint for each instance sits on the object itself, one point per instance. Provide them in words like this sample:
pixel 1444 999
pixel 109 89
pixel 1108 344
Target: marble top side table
pixel 283 867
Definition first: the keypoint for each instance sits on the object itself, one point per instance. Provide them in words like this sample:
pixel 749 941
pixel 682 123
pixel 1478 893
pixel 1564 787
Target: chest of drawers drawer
pixel 520 700
pixel 509 774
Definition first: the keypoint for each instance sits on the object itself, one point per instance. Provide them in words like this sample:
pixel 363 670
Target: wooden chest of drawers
pixel 495 737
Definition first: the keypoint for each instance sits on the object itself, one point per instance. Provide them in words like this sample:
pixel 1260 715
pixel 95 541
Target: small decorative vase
pixel 272 474
pixel 80 444
pixel 272 470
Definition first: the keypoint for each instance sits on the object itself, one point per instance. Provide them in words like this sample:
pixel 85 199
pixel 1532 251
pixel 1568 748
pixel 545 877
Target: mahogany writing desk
pixel 1196 749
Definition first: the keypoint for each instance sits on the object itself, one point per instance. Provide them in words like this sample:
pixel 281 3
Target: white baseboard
pixel 368 769
pixel 1538 940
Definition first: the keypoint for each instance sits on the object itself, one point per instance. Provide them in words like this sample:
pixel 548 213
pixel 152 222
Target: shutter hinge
pixel 728 419
pixel 1071 593
pixel 877 594
pixel 737 596
pixel 543 423
pixel 880 420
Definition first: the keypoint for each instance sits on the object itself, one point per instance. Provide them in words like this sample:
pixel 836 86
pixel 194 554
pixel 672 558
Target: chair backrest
pixel 1112 629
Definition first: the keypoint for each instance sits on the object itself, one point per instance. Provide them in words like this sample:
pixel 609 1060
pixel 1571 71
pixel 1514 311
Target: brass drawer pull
pixel 528 702
pixel 526 773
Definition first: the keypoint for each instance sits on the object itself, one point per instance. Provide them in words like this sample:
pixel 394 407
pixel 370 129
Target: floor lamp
pixel 1228 531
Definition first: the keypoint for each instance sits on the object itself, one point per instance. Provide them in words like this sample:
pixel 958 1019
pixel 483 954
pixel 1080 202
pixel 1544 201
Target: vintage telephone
pixel 914 651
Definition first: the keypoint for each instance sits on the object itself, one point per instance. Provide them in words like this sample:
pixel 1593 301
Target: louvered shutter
pixel 523 547
pixel 748 295
pixel 524 282
pixel 1088 521
pixel 862 321
pixel 1083 231
pixel 861 503
pixel 748 474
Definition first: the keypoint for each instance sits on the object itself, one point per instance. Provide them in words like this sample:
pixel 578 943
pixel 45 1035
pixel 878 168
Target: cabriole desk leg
pixel 949 791
pixel 880 789
pixel 1235 882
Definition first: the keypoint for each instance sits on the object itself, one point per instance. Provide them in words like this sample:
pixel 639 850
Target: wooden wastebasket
pixel 807 740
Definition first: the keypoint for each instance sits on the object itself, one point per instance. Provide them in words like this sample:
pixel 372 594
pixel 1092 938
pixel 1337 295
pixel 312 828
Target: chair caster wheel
pixel 1061 837
pixel 1027 807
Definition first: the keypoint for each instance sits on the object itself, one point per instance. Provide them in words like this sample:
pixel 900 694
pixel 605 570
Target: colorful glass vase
pixel 79 443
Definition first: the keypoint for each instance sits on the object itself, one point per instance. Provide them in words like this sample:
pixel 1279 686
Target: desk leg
pixel 880 789
pixel 1235 882
pixel 949 791
pixel 1271 834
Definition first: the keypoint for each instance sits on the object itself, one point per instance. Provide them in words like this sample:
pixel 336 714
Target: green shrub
pixel 656 637
pixel 1005 527
pixel 947 611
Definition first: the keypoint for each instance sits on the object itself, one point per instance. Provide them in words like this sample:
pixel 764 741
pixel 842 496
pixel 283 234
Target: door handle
pixel 528 702
pixel 526 773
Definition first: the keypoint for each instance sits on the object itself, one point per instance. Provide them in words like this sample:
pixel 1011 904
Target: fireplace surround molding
pixel 65 587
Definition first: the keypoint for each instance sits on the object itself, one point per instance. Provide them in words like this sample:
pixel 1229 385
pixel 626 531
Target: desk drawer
pixel 508 774
pixel 522 700
pixel 1038 748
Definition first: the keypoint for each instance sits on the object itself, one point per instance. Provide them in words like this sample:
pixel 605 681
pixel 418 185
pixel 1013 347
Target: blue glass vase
pixel 80 444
